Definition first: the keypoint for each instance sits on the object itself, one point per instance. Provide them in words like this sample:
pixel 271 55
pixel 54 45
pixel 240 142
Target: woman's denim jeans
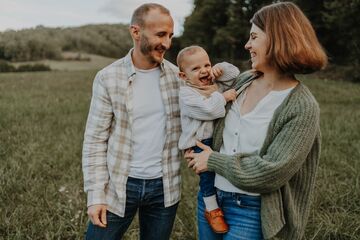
pixel 155 220
pixel 242 214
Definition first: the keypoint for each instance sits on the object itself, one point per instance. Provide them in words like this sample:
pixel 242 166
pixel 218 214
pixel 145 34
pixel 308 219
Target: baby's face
pixel 197 69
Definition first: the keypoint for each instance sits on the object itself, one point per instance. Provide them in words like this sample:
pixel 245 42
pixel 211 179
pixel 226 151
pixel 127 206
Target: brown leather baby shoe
pixel 216 220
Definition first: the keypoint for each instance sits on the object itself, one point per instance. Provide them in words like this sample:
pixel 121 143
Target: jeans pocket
pixel 111 217
pixel 244 202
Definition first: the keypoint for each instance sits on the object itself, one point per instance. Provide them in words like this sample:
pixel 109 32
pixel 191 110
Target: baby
pixel 201 103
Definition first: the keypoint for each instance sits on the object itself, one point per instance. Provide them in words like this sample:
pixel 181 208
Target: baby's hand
pixel 216 71
pixel 229 95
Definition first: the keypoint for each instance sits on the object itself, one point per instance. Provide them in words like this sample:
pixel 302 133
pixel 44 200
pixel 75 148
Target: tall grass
pixel 42 119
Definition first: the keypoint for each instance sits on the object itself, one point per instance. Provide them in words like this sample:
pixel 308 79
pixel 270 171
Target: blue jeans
pixel 155 220
pixel 207 179
pixel 242 214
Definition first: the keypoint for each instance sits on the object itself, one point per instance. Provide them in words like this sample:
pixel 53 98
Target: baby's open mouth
pixel 205 80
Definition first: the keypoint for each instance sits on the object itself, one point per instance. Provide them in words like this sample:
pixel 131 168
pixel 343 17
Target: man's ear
pixel 182 75
pixel 135 32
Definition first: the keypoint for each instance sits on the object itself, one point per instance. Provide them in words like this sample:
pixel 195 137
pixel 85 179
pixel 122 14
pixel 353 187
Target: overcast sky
pixel 19 14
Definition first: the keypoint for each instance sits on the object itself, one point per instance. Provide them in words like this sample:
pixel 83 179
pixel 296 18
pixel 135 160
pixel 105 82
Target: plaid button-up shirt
pixel 107 149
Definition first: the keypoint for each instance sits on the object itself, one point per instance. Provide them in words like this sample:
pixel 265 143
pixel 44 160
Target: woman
pixel 266 149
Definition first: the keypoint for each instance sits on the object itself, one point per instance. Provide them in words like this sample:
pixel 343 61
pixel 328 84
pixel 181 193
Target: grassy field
pixel 42 119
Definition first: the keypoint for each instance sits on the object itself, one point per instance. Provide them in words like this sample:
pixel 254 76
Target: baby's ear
pixel 182 75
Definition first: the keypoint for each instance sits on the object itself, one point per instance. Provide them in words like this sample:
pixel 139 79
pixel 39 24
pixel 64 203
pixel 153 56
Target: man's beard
pixel 146 48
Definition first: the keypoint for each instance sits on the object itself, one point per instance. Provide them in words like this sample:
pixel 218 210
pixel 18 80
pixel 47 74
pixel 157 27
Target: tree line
pixel 37 67
pixel 220 26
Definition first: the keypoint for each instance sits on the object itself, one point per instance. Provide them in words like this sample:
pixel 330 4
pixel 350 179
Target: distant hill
pixel 109 40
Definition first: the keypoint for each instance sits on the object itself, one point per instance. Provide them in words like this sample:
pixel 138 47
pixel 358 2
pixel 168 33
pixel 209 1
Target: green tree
pixel 201 26
pixel 221 27
pixel 341 19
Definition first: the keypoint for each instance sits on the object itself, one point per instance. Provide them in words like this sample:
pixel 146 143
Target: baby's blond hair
pixel 186 52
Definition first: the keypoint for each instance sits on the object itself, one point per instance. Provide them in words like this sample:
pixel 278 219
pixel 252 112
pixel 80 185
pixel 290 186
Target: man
pixel 130 157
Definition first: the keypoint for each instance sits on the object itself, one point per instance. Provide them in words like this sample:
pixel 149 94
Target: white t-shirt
pixel 246 134
pixel 149 122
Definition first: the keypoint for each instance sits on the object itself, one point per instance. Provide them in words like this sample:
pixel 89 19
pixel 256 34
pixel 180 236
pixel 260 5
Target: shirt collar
pixel 130 68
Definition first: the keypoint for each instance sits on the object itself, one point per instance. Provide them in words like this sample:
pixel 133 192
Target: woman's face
pixel 257 46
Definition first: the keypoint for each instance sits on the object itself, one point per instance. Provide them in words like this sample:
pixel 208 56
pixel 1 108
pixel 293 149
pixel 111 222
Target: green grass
pixel 42 119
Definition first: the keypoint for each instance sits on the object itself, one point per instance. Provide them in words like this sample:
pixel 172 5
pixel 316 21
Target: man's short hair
pixel 186 52
pixel 140 13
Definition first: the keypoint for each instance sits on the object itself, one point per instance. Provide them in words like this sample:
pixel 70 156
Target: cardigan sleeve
pixel 283 157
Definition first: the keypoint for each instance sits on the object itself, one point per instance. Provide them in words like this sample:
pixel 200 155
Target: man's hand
pixel 229 95
pixel 97 214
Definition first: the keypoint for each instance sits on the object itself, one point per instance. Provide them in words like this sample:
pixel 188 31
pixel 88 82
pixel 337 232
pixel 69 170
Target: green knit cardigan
pixel 284 171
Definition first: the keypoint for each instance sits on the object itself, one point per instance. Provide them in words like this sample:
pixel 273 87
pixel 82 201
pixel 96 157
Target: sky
pixel 20 14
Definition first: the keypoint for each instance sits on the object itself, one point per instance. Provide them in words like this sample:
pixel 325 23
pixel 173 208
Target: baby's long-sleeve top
pixel 198 112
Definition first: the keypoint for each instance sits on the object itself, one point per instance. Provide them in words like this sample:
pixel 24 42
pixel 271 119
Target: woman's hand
pixel 198 161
